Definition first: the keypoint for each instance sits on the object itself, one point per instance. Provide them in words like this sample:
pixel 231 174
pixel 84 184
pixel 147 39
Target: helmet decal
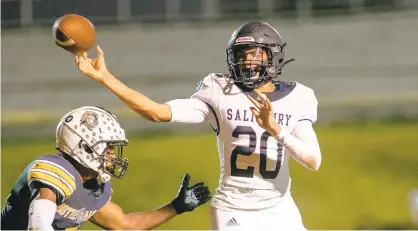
pixel 244 39
pixel 89 119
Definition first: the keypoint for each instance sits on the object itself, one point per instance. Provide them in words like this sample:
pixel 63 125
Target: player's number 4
pixel 247 151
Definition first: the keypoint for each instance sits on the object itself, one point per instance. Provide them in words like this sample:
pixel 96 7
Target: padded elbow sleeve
pixel 41 214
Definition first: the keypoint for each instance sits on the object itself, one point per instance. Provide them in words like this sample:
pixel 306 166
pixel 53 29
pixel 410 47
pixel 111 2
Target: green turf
pixel 365 177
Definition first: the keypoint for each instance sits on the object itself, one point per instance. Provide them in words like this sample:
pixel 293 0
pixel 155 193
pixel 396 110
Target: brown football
pixel 74 33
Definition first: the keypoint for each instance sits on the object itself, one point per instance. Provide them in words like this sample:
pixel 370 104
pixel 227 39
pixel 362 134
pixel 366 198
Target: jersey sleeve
pixel 50 173
pixel 204 90
pixel 197 108
pixel 311 105
pixel 188 110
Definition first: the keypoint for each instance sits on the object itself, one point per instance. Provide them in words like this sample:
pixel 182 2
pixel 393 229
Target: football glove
pixel 188 198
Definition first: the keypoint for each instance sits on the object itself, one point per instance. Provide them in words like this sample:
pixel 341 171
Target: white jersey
pixel 254 170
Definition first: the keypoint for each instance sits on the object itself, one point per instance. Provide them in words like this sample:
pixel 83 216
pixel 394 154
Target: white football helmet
pixel 87 134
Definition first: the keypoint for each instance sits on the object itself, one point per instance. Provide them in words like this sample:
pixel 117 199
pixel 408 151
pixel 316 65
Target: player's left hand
pixel 188 198
pixel 263 113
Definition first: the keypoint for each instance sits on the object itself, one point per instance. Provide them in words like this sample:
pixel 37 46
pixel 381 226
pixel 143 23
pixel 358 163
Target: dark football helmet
pixel 255 55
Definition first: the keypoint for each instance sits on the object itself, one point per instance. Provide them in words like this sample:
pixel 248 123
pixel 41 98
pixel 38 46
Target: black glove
pixel 188 198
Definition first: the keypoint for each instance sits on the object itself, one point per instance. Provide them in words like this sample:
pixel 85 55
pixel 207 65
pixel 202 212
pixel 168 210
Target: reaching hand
pixel 264 113
pixel 93 68
pixel 188 198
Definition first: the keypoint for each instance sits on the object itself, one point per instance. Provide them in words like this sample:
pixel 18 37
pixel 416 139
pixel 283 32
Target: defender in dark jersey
pixel 61 191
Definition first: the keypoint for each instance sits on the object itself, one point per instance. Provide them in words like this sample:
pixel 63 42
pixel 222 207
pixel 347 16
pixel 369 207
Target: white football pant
pixel 285 216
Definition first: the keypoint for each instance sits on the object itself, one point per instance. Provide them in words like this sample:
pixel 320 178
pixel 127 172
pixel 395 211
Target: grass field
pixel 366 174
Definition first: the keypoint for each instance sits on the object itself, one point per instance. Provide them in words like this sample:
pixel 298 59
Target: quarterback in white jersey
pixel 260 123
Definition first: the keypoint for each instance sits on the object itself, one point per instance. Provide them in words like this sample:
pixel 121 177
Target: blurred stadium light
pixel 413 206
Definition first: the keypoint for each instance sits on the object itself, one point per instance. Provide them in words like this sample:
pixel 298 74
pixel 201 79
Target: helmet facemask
pixel 109 156
pixel 114 163
pixel 253 64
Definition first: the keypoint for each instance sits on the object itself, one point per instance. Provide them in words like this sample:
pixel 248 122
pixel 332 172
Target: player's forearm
pixel 150 219
pixel 138 102
pixel 307 154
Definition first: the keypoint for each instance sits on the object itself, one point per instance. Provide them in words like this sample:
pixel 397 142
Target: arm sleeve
pixel 41 214
pixel 302 144
pixel 46 173
pixel 306 134
pixel 197 108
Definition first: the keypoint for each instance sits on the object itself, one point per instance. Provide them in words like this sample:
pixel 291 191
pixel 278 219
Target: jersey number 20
pixel 247 151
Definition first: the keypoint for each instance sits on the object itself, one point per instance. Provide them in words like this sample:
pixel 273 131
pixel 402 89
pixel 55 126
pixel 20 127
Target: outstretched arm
pixel 112 217
pixel 193 110
pixel 137 101
pixel 188 198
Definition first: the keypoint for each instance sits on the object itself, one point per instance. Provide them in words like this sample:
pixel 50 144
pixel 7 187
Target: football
pixel 74 33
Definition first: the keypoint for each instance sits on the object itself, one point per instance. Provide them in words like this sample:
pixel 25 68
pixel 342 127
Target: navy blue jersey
pixel 76 201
